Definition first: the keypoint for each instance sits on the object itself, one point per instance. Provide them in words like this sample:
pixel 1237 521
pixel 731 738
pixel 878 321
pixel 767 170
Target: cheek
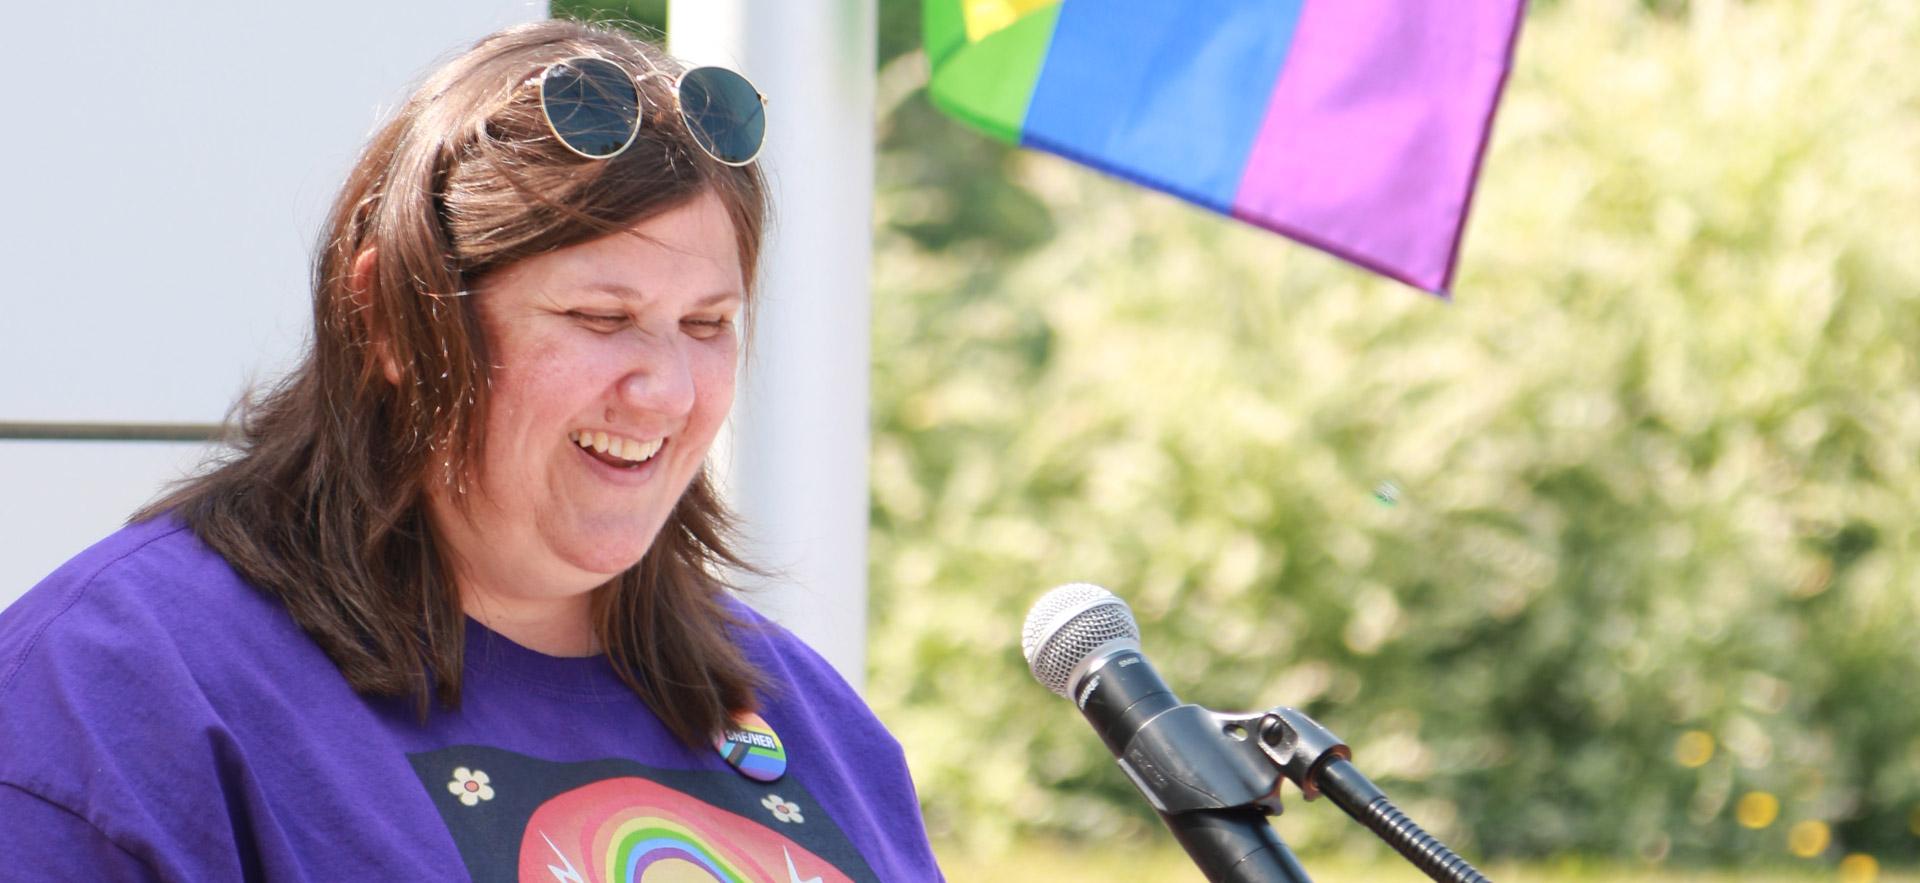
pixel 714 378
pixel 547 374
pixel 535 393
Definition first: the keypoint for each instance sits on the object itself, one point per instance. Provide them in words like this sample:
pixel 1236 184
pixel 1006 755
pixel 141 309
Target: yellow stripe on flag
pixel 986 16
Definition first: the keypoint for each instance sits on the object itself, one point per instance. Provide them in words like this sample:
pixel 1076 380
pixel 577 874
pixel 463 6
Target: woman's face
pixel 613 368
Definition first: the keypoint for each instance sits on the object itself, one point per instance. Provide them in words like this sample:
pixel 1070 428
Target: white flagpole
pixel 796 464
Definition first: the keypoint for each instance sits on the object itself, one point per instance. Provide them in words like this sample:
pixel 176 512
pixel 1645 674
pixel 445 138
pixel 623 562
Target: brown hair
pixel 323 503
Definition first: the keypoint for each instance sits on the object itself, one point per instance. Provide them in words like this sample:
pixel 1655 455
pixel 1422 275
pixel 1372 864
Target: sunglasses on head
pixel 594 107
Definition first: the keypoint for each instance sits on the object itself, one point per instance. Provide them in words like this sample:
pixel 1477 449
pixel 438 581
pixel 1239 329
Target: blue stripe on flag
pixel 1169 93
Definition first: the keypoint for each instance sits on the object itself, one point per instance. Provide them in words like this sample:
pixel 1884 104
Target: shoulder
pixel 154 700
pixel 847 760
pixel 146 639
pixel 805 698
pixel 88 594
pixel 148 589
pixel 798 673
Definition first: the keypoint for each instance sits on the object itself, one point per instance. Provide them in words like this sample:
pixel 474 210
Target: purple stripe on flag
pixel 1374 132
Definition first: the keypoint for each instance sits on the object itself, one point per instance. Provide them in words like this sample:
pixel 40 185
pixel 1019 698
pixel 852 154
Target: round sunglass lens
pixel 592 105
pixel 724 113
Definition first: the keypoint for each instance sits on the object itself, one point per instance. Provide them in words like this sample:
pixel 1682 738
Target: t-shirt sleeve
pixel 102 718
pixel 44 842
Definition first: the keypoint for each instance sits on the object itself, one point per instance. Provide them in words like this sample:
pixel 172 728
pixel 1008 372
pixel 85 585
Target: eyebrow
pixel 623 290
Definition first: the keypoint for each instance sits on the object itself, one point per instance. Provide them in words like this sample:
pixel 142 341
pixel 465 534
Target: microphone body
pixel 1170 752
pixel 1214 798
pixel 1177 754
pixel 1235 846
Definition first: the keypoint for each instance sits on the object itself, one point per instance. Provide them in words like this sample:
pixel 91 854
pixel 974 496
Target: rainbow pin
pixel 753 748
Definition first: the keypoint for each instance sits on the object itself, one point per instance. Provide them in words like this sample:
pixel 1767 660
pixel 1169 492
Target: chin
pixel 609 552
pixel 603 565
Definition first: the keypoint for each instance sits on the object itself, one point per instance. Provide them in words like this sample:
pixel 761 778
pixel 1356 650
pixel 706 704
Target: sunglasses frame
pixel 640 107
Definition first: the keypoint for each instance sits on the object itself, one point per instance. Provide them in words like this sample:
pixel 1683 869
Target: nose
pixel 659 380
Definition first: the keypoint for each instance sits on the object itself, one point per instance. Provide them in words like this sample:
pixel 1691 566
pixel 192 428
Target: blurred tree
pixel 1620 542
pixel 1577 562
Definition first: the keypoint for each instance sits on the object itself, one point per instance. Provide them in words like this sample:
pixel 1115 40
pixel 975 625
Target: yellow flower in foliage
pixel 1693 749
pixel 1809 838
pixel 1859 868
pixel 1757 810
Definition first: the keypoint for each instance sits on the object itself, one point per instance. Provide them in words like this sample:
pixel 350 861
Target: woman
pixel 451 610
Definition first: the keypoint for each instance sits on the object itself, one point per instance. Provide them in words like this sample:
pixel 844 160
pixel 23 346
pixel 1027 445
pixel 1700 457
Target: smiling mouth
pixel 616 451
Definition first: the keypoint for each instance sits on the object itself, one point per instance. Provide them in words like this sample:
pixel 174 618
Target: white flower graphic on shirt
pixel 782 810
pixel 470 786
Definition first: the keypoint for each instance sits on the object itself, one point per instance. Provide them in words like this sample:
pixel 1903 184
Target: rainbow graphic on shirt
pixel 631 830
pixel 639 844
pixel 753 748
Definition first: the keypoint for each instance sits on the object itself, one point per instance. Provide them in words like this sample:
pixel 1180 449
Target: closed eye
pixel 605 323
pixel 707 327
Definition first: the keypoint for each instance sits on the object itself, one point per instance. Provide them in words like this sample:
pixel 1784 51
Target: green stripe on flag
pixel 989 83
pixel 943 27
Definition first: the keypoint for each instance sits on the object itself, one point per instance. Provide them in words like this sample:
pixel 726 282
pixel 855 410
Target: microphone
pixel 1213 777
pixel 1081 643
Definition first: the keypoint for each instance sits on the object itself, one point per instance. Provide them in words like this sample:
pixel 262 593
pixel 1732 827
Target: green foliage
pixel 1161 861
pixel 1576 562
pixel 648 17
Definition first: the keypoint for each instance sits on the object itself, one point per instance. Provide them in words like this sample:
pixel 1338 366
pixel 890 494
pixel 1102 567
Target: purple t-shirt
pixel 160 718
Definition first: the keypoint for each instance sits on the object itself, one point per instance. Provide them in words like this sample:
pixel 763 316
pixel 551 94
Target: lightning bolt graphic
pixel 572 876
pixel 793 876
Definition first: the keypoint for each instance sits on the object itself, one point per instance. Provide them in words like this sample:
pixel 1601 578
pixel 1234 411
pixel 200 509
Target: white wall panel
pixel 169 165
pixel 168 169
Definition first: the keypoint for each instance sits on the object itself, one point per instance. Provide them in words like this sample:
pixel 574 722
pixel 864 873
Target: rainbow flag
pixel 1354 126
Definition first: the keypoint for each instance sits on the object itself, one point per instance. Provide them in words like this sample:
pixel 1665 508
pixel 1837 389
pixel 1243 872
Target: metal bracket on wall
pixel 134 432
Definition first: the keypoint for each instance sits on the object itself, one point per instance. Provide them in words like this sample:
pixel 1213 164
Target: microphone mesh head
pixel 1069 623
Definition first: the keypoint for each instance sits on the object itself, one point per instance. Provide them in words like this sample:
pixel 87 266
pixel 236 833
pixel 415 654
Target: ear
pixel 360 288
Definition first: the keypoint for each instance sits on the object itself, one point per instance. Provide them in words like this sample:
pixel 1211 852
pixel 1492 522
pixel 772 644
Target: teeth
pixel 630 450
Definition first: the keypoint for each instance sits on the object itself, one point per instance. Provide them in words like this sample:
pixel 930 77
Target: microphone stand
pixel 1216 803
pixel 1316 761
pixel 1216 778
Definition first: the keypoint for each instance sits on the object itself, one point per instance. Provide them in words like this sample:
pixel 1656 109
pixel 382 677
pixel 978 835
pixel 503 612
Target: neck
pixel 556 627
pixel 545 609
pixel 511 586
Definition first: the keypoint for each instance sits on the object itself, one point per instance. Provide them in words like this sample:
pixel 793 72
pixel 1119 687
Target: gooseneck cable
pixel 1369 806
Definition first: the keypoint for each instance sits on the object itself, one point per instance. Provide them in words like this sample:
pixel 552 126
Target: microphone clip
pixel 1257 750
pixel 1299 746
